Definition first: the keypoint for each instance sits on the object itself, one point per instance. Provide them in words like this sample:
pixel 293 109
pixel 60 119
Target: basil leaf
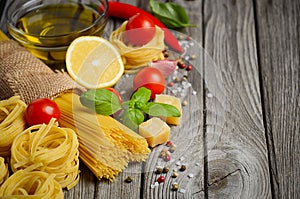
pixel 142 95
pixel 101 101
pixel 160 109
pixel 170 14
pixel 132 118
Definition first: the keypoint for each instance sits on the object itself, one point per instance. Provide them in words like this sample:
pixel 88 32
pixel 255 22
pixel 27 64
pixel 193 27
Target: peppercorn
pixel 166 54
pixel 184 79
pixel 161 179
pixel 169 143
pixel 189 68
pixel 163 153
pixel 167 157
pixel 175 186
pixel 159 170
pixel 174 175
pixel 184 103
pixel 180 37
pixel 182 168
pixel 181 64
pixel 177 79
pixel 172 148
pixel 171 84
pixel 166 170
pixel 129 179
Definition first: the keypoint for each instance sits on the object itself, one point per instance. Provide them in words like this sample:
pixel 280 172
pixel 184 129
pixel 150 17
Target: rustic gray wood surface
pixel 243 139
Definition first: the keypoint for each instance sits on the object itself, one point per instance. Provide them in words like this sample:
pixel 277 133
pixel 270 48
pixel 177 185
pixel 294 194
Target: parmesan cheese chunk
pixel 171 100
pixel 155 131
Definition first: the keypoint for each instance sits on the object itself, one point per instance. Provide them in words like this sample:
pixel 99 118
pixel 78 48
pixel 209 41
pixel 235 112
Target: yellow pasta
pixel 3 170
pixel 31 184
pixel 137 57
pixel 48 148
pixel 11 122
pixel 106 146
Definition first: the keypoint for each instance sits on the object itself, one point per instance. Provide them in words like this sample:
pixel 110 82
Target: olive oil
pixel 51 28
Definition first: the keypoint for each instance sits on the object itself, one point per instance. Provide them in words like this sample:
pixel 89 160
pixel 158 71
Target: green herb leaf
pixel 142 95
pixel 132 118
pixel 160 109
pixel 101 101
pixel 170 14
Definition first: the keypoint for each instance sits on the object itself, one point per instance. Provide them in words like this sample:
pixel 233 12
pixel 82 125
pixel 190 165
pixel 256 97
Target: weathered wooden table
pixel 246 141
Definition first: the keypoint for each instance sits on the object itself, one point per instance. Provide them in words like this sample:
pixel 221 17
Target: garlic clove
pixel 167 67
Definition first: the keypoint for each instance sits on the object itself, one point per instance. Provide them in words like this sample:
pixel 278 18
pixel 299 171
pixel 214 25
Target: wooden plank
pixel 278 28
pixel 238 162
pixel 189 135
pixel 117 189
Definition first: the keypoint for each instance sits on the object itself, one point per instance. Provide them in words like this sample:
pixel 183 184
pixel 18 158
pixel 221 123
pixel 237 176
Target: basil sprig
pixel 105 102
pixel 172 15
pixel 101 101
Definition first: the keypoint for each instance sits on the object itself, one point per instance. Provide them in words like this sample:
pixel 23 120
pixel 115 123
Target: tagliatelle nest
pixel 136 57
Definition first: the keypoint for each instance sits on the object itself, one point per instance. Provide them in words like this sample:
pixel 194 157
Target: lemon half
pixel 93 62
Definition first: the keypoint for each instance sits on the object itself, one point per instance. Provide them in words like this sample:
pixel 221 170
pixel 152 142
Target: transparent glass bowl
pixel 47 27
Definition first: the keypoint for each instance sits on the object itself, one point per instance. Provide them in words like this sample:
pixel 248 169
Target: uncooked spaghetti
pixel 106 145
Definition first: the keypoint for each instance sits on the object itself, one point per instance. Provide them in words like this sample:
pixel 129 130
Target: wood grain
pixel 244 117
pixel 189 135
pixel 279 49
pixel 238 163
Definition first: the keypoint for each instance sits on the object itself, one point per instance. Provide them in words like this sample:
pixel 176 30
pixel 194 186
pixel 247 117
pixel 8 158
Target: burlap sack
pixel 23 74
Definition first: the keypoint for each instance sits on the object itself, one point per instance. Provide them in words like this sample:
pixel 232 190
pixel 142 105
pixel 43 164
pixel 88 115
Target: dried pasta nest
pixel 31 184
pixel 12 122
pixel 48 148
pixel 136 57
pixel 3 170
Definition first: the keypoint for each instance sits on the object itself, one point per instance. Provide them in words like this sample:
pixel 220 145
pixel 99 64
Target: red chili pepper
pixel 125 11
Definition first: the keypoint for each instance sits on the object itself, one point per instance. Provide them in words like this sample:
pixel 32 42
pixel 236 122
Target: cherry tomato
pixel 116 93
pixel 150 78
pixel 41 111
pixel 140 29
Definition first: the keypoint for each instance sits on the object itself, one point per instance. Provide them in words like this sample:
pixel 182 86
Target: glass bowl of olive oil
pixel 47 27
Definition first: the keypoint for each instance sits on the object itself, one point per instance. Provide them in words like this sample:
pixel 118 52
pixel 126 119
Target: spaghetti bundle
pixel 136 57
pixel 48 148
pixel 31 184
pixel 106 145
pixel 12 122
pixel 124 138
pixel 3 171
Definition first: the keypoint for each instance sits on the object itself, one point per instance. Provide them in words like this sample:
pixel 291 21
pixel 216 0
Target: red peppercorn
pixel 171 84
pixel 169 143
pixel 189 68
pixel 181 64
pixel 161 179
pixel 167 157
